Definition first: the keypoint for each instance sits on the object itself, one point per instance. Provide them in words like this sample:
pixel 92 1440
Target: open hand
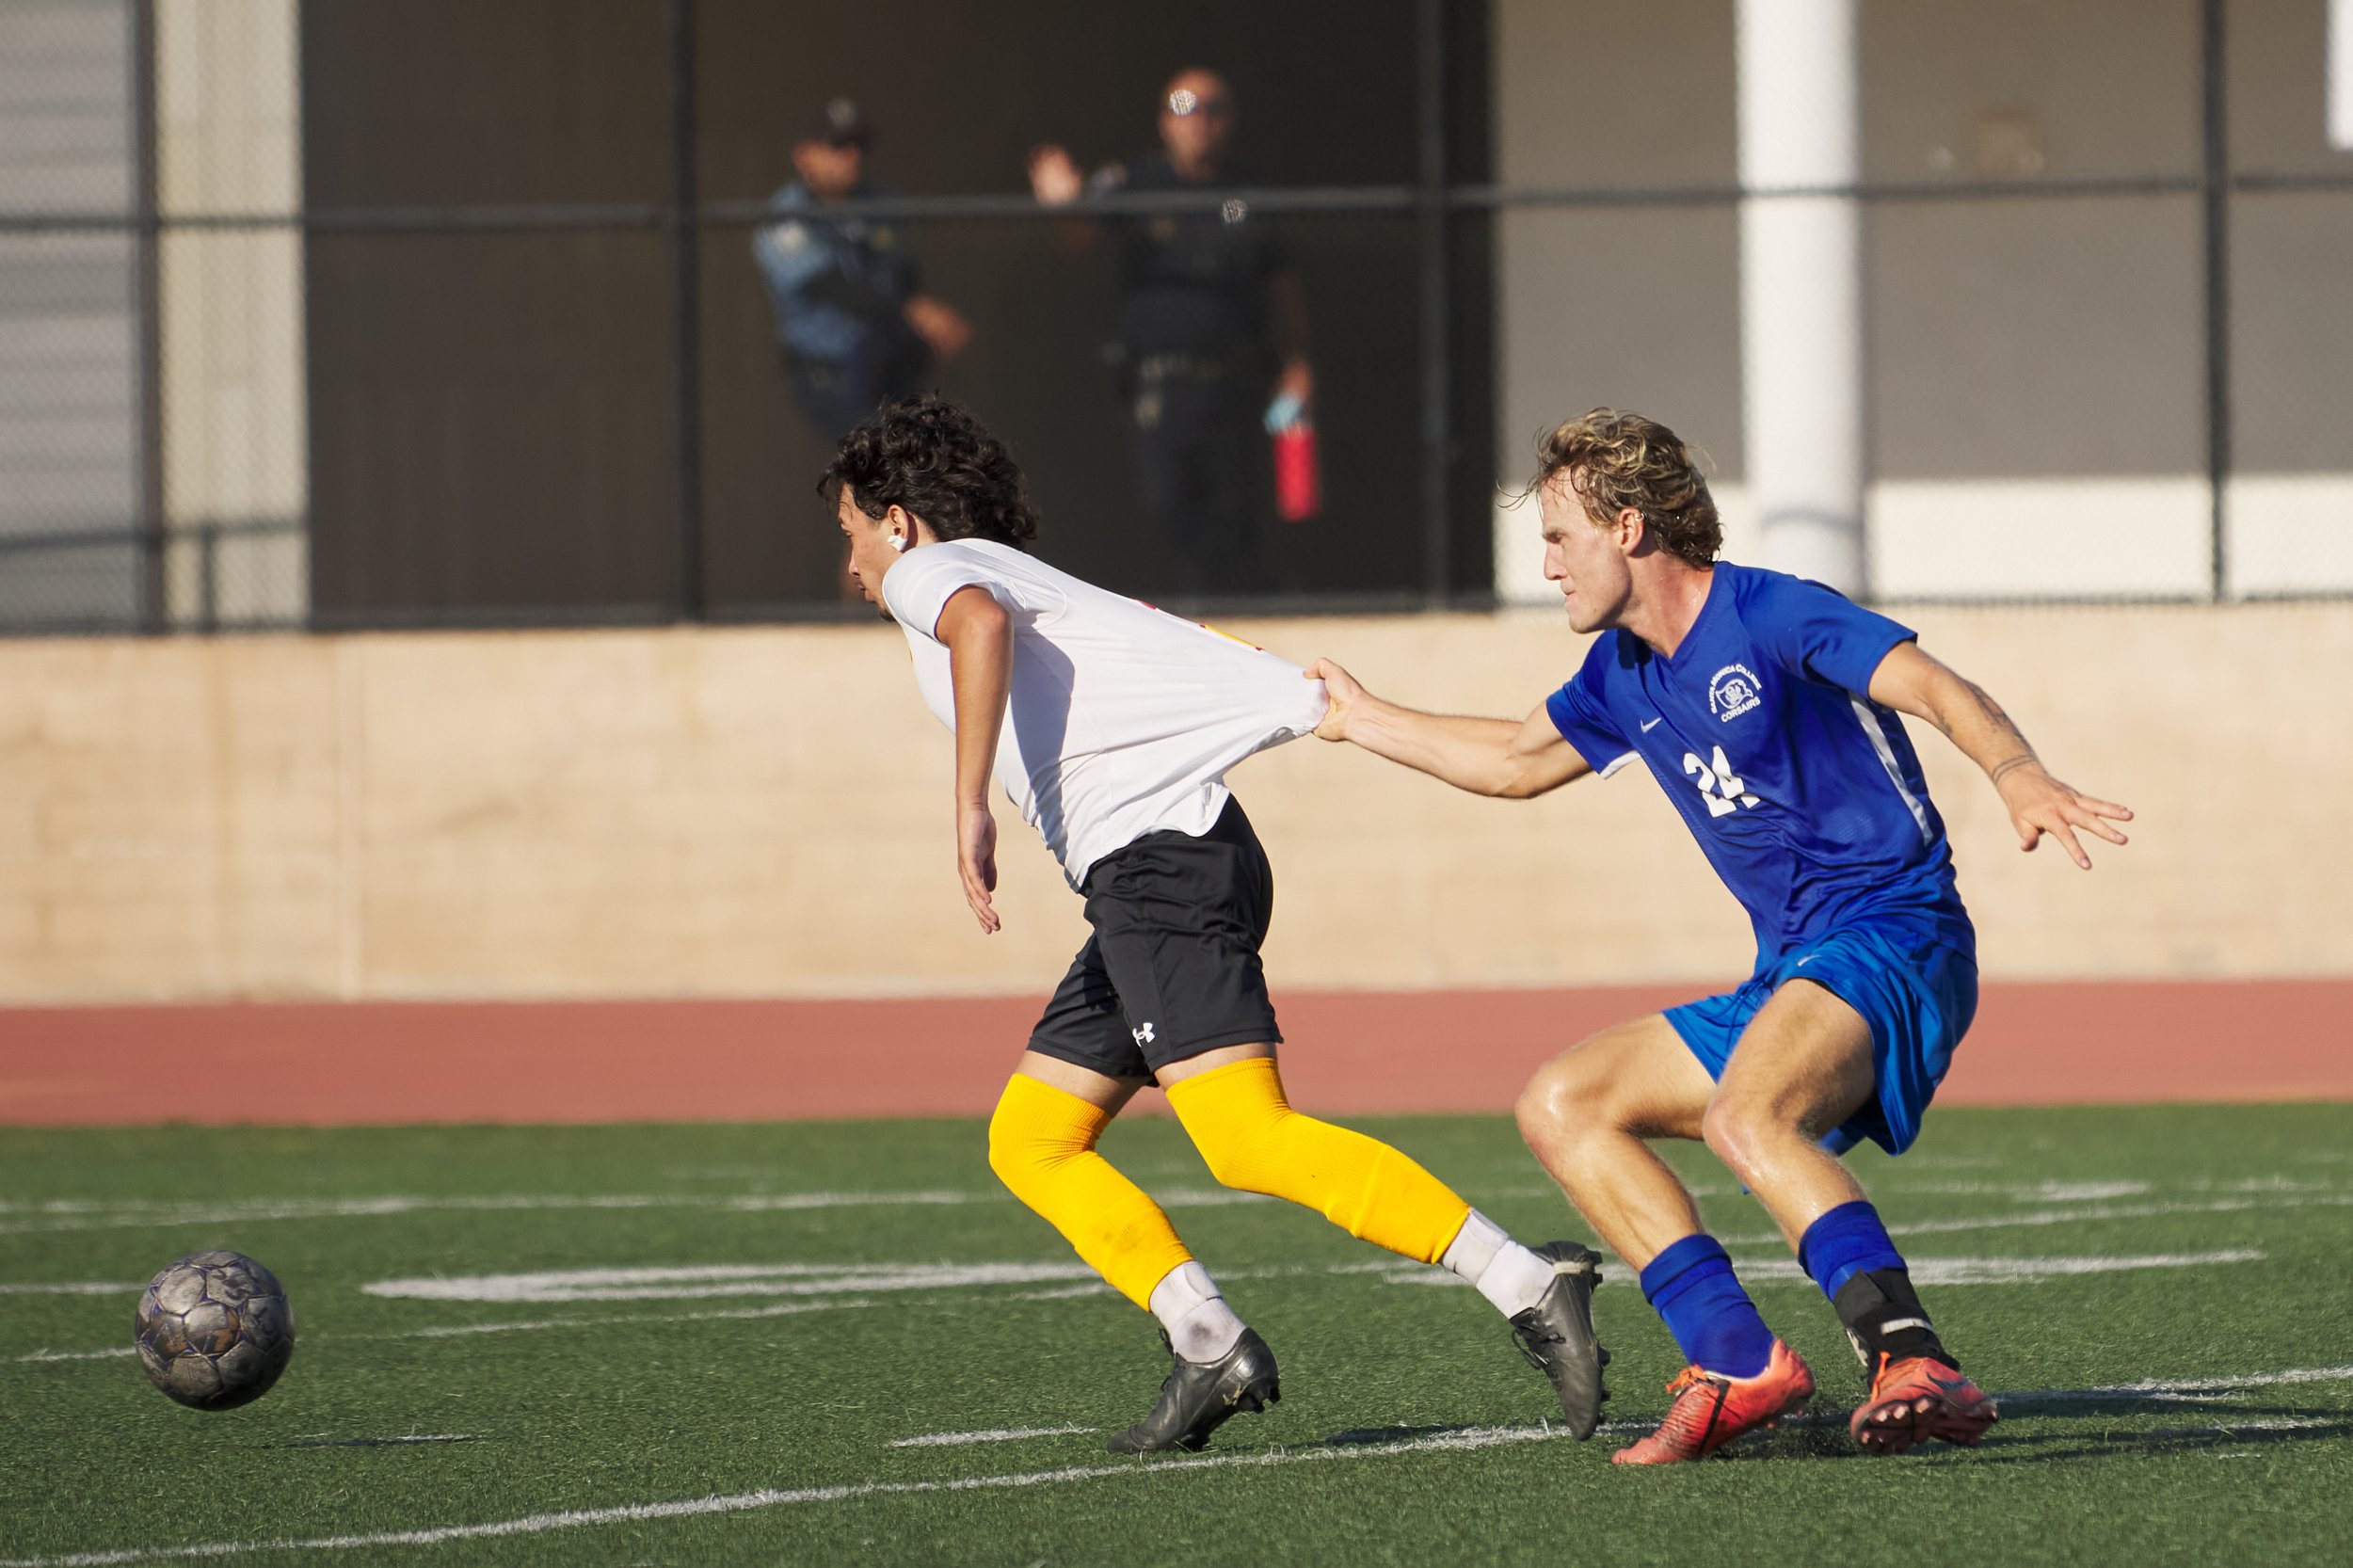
pixel 1054 177
pixel 2039 804
pixel 1343 693
pixel 940 325
pixel 976 863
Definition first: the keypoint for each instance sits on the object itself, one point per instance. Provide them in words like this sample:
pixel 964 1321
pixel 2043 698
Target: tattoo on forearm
pixel 1996 715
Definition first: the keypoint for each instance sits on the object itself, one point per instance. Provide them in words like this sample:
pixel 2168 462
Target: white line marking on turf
pixel 71 1288
pixel 67 1214
pixel 1001 1434
pixel 701 1281
pixel 327 1440
pixel 454 1331
pixel 2012 1271
pixel 2076 1216
pixel 2163 1387
pixel 782 1310
pixel 1461 1441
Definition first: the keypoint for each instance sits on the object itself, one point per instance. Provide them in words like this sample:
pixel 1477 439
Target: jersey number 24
pixel 1718 785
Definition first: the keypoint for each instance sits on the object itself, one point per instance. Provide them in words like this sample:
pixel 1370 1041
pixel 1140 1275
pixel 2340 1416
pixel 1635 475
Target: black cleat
pixel 1557 1334
pixel 1199 1396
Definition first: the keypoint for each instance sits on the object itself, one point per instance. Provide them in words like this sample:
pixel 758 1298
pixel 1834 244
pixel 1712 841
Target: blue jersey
pixel 1805 793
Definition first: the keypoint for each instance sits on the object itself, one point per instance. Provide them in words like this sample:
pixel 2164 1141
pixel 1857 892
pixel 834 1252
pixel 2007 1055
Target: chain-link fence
pixel 394 312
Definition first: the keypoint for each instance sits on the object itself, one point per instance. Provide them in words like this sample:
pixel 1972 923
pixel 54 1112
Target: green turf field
pixel 2164 1299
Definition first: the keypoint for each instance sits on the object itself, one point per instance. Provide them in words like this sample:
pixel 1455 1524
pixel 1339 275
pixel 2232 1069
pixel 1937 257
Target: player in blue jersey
pixel 1766 706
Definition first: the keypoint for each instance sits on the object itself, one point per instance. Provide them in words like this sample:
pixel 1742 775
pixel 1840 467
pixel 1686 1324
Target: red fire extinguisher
pixel 1298 470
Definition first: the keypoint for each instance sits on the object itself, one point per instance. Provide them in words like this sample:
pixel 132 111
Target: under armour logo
pixel 1144 1035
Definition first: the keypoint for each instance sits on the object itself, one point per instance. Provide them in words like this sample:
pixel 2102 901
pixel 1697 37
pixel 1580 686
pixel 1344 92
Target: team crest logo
pixel 1733 691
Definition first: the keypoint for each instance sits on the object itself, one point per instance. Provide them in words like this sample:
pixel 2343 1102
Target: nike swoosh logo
pixel 1652 725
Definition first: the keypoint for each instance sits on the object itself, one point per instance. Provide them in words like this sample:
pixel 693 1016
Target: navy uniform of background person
pixel 855 330
pixel 1211 341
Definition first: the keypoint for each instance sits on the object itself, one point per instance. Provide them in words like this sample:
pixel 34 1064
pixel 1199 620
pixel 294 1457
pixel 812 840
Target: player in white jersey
pixel 1111 725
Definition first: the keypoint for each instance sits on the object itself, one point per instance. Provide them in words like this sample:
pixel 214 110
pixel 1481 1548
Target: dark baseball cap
pixel 843 125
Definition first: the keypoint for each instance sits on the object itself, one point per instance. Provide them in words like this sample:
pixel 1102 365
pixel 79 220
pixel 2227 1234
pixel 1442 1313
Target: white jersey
pixel 1123 719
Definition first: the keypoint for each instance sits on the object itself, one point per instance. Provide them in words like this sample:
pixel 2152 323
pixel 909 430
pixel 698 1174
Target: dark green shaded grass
pixel 600 1415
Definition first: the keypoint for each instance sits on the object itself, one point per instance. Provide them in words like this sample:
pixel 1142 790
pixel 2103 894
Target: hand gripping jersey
pixel 1123 720
pixel 1805 793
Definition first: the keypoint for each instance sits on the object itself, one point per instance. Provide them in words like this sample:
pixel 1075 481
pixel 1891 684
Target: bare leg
pixel 1803 1066
pixel 1585 1115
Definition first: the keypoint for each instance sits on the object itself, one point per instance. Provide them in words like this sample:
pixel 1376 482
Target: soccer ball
pixel 215 1330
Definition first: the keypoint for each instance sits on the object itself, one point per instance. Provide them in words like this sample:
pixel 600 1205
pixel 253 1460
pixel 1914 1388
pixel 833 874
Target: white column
pixel 1801 285
pixel 228 133
pixel 2341 75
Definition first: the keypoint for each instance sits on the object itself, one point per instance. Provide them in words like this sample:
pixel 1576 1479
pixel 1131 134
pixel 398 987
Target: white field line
pixel 782 1310
pixel 744 1502
pixel 70 1214
pixel 1000 1434
pixel 2086 1214
pixel 71 1288
pixel 830 1281
pixel 454 1331
pixel 2042 1191
pixel 75 1214
pixel 699 1282
pixel 2185 1387
pixel 1938 1271
pixel 2014 1271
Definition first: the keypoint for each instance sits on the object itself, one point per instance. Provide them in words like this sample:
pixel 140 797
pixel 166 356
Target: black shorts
pixel 1172 967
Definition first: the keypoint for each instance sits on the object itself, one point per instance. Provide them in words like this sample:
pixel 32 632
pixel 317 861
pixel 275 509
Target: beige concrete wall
pixel 765 812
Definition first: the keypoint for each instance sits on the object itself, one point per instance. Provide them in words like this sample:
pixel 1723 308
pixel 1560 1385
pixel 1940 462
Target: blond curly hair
pixel 1614 460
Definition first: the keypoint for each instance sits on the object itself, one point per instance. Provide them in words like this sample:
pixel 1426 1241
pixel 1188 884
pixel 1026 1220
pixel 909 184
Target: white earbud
pixel 899 543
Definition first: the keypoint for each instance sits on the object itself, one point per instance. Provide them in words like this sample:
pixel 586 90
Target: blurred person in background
pixel 1211 344
pixel 853 328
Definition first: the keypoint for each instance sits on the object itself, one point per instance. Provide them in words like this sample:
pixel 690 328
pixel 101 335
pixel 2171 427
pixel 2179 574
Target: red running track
pixel 1348 1053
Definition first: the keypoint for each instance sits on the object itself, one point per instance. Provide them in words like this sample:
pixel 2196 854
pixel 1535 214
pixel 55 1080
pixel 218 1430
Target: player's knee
pixel 1009 1153
pixel 1021 1150
pixel 1559 1103
pixel 1733 1130
pixel 1240 1158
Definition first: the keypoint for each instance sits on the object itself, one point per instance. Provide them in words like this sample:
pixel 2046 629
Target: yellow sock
pixel 1253 1140
pixel 1041 1144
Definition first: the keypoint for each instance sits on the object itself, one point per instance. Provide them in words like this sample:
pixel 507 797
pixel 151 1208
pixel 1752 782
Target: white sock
pixel 1506 1273
pixel 1201 1327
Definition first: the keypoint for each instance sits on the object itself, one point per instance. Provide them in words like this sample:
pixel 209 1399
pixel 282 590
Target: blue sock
pixel 1847 1241
pixel 1692 1286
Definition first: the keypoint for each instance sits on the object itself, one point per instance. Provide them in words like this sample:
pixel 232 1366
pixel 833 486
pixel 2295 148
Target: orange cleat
pixel 1917 1397
pixel 1710 1409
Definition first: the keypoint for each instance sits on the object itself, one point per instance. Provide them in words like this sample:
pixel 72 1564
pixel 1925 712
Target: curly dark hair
pixel 939 462
pixel 1615 461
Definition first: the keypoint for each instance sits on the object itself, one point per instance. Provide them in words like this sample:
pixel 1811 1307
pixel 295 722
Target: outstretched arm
pixel 1914 682
pixel 1487 756
pixel 979 635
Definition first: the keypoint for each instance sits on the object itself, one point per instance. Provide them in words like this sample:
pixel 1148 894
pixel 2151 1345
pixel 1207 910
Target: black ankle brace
pixel 1883 1317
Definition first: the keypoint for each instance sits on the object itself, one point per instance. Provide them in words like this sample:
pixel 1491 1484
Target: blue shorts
pixel 1914 983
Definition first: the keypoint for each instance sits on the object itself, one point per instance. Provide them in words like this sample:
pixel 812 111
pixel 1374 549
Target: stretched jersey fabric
pixel 1806 796
pixel 1123 719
